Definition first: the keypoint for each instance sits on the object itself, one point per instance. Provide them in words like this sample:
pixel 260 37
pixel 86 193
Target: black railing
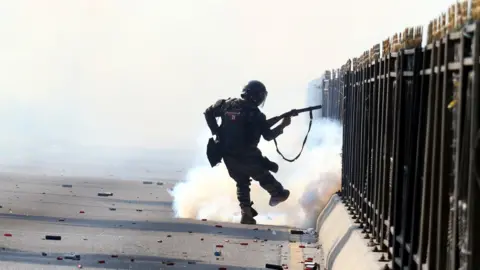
pixel 332 98
pixel 411 156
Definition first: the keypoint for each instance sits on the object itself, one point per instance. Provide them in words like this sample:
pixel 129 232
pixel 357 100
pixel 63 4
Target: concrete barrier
pixel 343 244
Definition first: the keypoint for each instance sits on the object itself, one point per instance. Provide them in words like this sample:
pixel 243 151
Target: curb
pixel 342 241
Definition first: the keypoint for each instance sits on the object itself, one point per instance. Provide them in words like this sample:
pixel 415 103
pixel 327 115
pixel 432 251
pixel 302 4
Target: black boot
pixel 254 212
pixel 280 197
pixel 247 216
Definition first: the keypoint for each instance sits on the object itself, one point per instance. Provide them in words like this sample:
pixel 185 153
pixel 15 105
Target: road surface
pixel 133 229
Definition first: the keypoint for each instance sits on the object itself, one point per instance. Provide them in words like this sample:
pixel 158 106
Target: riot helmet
pixel 255 92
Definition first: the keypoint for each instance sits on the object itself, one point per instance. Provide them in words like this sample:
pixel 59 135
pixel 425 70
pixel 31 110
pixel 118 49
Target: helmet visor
pixel 262 97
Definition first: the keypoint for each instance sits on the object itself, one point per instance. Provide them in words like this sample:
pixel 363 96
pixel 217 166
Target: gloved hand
pixel 286 121
pixel 294 112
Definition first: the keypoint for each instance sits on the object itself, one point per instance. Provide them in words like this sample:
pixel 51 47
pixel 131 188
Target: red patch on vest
pixel 232 115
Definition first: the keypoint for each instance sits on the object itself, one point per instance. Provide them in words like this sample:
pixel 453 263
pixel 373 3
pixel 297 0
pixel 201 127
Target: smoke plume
pixel 210 192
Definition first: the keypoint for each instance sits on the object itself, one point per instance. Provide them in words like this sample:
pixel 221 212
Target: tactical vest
pixel 236 127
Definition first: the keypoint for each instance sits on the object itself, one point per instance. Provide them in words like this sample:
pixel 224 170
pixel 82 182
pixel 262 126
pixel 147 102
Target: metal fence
pixel 411 157
pixel 332 99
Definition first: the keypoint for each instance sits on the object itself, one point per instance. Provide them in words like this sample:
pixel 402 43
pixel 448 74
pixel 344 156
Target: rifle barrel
pixel 297 111
pixel 312 108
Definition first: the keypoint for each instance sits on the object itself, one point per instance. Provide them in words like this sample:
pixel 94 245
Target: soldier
pixel 238 136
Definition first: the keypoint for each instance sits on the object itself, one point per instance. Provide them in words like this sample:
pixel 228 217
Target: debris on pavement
pixel 53 237
pixel 310 231
pixel 273 266
pixel 296 232
pixel 219 252
pixel 73 257
pixel 312 266
pixel 147 182
pixel 310 250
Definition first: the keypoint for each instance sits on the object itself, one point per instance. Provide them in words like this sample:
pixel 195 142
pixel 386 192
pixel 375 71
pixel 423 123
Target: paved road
pixel 133 229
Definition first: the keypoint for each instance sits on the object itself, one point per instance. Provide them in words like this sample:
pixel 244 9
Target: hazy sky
pixel 140 73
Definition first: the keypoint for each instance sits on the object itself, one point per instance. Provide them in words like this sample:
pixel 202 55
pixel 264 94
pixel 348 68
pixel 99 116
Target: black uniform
pixel 239 143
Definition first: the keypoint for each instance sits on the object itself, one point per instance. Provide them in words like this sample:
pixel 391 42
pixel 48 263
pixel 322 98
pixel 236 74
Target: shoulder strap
pixel 303 144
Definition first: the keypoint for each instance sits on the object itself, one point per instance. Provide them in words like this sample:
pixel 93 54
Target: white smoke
pixel 210 192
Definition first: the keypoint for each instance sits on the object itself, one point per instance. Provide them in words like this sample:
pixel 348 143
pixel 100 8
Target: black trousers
pixel 246 165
